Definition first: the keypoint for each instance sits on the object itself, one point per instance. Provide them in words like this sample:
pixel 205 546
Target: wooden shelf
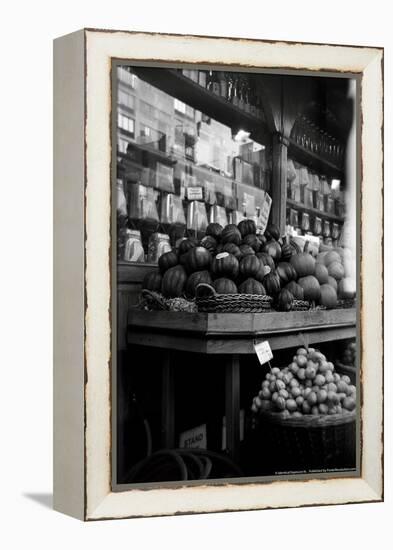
pixel 227 333
pixel 133 272
pixel 314 211
pixel 177 85
pixel 314 161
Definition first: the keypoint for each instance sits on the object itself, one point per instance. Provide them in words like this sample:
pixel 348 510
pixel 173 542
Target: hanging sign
pixel 264 213
pixel 263 351
pixel 194 193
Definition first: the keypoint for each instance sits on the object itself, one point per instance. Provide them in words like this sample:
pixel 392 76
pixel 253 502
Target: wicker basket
pixel 300 305
pixel 154 301
pixel 348 303
pixel 309 442
pixel 209 301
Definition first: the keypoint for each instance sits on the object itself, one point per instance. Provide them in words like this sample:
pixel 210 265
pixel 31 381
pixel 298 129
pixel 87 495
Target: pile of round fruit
pixel 235 259
pixel 308 386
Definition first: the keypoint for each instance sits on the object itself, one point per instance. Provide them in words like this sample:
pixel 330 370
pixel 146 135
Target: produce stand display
pixel 209 279
pixel 229 335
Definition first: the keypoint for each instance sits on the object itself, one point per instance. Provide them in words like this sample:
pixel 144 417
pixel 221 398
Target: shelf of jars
pixel 314 211
pixel 230 99
pixel 316 148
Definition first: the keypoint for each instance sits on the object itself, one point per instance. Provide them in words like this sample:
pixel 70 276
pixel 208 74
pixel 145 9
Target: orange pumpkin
pixel 328 296
pixel 332 256
pixel 336 270
pixel 332 282
pixel 321 273
pixel 311 288
pixel 347 288
pixel 303 263
pixel 296 290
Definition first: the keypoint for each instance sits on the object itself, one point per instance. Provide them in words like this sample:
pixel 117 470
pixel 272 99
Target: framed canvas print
pixel 218 274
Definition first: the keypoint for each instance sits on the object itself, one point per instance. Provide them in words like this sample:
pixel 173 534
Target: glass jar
pixel 305 222
pixel 133 249
pixel 326 228
pixel 294 218
pixel 158 245
pixel 317 226
pixel 335 231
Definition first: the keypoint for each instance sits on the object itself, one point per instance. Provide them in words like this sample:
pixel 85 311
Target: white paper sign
pixel 265 211
pixel 194 193
pixel 263 351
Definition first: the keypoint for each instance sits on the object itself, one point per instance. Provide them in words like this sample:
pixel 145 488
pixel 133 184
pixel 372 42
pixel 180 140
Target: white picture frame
pixel 82 258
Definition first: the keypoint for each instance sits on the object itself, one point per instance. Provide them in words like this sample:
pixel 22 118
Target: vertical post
pixel 168 402
pixel 232 405
pixel 279 181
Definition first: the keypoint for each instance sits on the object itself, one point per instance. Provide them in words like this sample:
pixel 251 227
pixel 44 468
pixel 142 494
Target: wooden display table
pixel 230 335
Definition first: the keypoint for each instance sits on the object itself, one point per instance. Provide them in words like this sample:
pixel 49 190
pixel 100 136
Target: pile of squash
pixel 235 259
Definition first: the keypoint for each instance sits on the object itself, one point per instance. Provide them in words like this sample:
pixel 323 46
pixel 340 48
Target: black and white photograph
pixel 235 238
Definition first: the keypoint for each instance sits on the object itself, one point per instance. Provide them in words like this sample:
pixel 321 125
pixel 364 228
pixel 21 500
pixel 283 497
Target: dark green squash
pixel 173 281
pixel 209 243
pixel 225 265
pixel 272 232
pixel 285 300
pixel 246 250
pixel 167 260
pixel 272 284
pixel 197 259
pixel 224 286
pixel 296 290
pixel 286 272
pixel 249 266
pixel 287 250
pixel 266 259
pixel 214 230
pixel 231 248
pixel 252 286
pixel 152 281
pixel 273 249
pixel 186 244
pixel 262 271
pixel 231 234
pixel 195 279
pixel 247 227
pixel 253 241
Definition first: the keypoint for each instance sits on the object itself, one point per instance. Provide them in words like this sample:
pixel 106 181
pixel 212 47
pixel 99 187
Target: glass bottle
pixel 202 78
pixel 222 78
pixel 216 87
pixel 209 81
pixel 235 91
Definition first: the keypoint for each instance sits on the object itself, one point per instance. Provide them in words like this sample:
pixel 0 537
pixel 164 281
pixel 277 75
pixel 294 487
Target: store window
pixel 126 99
pixel 208 193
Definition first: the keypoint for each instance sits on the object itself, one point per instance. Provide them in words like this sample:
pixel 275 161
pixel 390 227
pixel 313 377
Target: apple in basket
pixel 309 385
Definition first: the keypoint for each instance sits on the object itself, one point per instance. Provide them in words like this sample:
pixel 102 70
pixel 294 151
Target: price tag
pixel 263 351
pixel 194 193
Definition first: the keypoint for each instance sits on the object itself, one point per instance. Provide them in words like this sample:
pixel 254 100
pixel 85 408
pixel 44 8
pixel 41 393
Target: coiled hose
pixel 182 465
